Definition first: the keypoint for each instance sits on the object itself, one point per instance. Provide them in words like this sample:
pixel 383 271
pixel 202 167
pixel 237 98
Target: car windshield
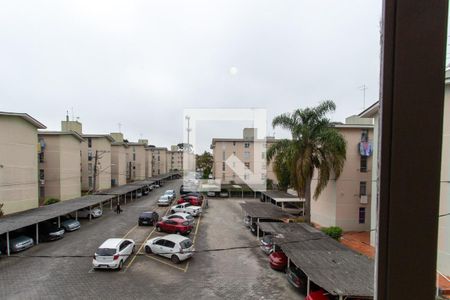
pixel 105 251
pixel 267 239
pixel 186 244
pixel 189 217
pixel 146 215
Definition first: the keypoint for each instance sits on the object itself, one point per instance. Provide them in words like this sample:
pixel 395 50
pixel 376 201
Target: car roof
pixel 147 212
pixel 180 214
pixel 178 220
pixel 111 243
pixel 176 238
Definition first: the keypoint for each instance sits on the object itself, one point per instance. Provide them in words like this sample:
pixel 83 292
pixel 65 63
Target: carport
pixel 36 215
pixel 283 200
pixel 264 212
pixel 121 192
pixel 145 184
pixel 290 232
pixel 327 263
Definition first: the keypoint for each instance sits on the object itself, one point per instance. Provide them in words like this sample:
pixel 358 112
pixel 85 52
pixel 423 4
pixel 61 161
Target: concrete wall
pixel 61 166
pixel 339 202
pixel 119 164
pixel 18 165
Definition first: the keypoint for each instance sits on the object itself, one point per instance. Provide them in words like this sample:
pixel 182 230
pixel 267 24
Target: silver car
pixel 164 200
pixel 17 243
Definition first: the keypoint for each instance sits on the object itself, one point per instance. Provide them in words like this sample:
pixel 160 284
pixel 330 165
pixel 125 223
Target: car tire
pixel 133 250
pixel 158 228
pixel 172 211
pixel 175 259
pixel 148 249
pixel 120 265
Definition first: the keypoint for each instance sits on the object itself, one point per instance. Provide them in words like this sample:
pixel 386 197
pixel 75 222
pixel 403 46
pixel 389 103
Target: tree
pixel 1 210
pixel 315 146
pixel 281 170
pixel 204 162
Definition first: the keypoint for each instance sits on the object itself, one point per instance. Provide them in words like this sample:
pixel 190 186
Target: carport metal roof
pixel 36 215
pixel 282 196
pixel 121 190
pixel 143 182
pixel 264 211
pixel 334 267
pixel 290 232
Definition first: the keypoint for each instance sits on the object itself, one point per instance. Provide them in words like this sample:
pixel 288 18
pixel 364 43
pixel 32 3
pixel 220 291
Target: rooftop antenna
pixel 363 88
pixel 67 115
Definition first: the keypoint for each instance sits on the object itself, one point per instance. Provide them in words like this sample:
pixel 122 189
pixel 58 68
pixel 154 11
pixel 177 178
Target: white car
pixel 186 208
pixel 173 246
pixel 113 253
pixel 95 212
pixel 171 194
pixel 164 200
pixel 184 216
pixel 211 194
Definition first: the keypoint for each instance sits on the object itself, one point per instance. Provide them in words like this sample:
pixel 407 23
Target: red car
pixel 278 260
pixel 318 295
pixel 178 226
pixel 191 199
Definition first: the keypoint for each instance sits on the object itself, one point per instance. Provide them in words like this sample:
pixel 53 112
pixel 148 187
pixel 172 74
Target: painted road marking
pixel 166 263
pixel 129 231
pixel 187 266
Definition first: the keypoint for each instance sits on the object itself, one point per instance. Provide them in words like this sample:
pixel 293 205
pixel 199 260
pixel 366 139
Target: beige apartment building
pixel 18 161
pixel 119 159
pixel 175 160
pixel 136 161
pixel 250 151
pixel 346 202
pixel 59 165
pixel 148 162
pixel 159 160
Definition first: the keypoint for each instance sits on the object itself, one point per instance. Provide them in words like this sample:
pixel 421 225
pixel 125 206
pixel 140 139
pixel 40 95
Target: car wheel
pixel 158 228
pixel 134 249
pixel 172 211
pixel 120 265
pixel 148 249
pixel 175 259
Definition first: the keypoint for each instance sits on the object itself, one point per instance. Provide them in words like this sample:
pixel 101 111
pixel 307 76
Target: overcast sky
pixel 140 63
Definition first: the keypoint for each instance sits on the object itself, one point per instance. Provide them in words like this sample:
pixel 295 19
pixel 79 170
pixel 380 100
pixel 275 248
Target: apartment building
pixel 148 162
pixel 159 160
pixel 175 159
pixel 119 159
pixel 59 165
pixel 249 150
pixel 136 161
pixel 346 202
pixel 18 161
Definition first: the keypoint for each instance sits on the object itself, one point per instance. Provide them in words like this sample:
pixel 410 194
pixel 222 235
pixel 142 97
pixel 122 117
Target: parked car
pixel 278 260
pixel 211 194
pixel 94 212
pixel 155 186
pixel 296 277
pixel 164 200
pixel 17 242
pixel 173 246
pixel 113 253
pixel 148 218
pixel 320 295
pixel 224 194
pixel 69 224
pixel 190 199
pixel 186 208
pixel 50 232
pixel 193 194
pixel 178 226
pixel 247 221
pixel 171 193
pixel 266 244
pixel 254 229
pixel 184 216
pixel 139 194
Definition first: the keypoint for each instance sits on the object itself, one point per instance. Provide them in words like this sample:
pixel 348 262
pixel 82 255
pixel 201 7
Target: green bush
pixel 49 201
pixel 334 232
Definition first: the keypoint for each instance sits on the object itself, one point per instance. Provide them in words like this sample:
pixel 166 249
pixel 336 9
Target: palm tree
pixel 315 146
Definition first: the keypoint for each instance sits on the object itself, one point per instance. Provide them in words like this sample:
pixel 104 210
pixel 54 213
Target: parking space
pixel 63 268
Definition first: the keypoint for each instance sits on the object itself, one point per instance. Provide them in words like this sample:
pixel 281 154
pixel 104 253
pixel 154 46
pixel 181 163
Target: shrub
pixel 49 201
pixel 334 232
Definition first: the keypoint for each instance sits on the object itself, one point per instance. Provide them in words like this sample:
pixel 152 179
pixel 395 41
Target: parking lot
pixel 63 268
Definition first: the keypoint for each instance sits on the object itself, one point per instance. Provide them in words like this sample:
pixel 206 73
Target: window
pixel 246 145
pixel 234 143
pixel 223 155
pixel 89 143
pixel 41 157
pixel 365 135
pixel 41 174
pixel 90 181
pixel 158 158
pixel 160 242
pixel 90 167
pixel 90 155
pixel 223 166
pixel 134 156
pixel 362 215
pixel 169 244
pixel 363 164
pixel 363 188
pixel 246 154
pixel 247 165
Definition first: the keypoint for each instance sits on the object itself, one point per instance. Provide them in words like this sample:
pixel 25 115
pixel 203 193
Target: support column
pixel 59 221
pixel 257 229
pixel 76 215
pixel 125 199
pixel 37 233
pixel 90 213
pixel 308 285
pixel 7 244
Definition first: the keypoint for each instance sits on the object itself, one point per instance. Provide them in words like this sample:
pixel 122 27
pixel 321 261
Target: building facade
pixel 96 150
pixel 59 165
pixel 18 162
pixel 119 159
pixel 159 158
pixel 346 201
pixel 136 161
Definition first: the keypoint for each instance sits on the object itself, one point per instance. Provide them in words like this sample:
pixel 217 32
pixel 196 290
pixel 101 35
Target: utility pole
pixel 188 118
pixel 95 171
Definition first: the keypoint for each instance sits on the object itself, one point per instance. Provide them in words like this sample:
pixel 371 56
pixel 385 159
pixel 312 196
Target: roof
pixel 136 144
pixel 26 117
pixel 111 243
pixel 106 136
pixel 71 133
pixel 119 144
pixel 371 111
pixel 268 139
pixel 32 216
pixel 264 211
pixel 345 126
pixel 175 238
pixel 280 196
pixel 142 182
pixel 120 190
pixel 284 232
